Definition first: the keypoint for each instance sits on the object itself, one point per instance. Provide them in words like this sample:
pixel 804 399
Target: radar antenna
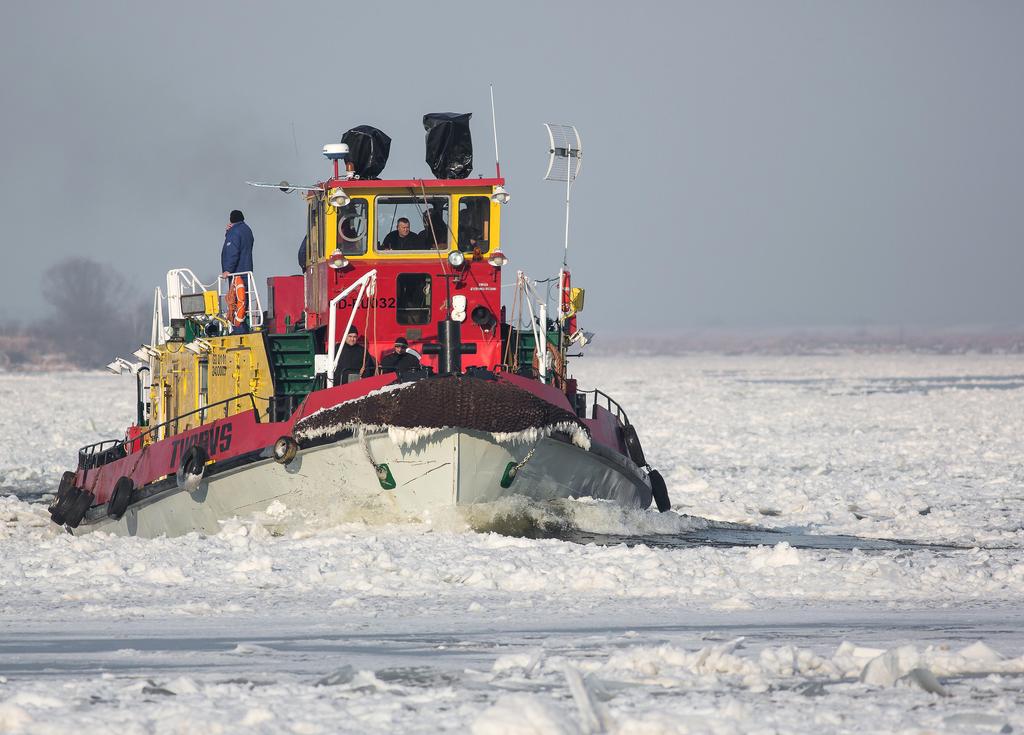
pixel 566 157
pixel 284 186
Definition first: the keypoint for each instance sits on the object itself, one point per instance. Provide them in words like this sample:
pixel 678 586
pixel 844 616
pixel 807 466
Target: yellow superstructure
pixel 184 381
pixel 373 236
pixel 323 231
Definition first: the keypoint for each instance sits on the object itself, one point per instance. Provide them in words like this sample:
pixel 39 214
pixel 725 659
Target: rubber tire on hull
pixel 632 441
pixel 121 498
pixel 61 499
pixel 193 463
pixel 660 491
pixel 78 508
pixel 285 450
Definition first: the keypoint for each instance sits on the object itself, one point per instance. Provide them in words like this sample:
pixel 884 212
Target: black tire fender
pixel 192 468
pixel 77 508
pixel 659 491
pixel 121 498
pixel 285 450
pixel 632 442
pixel 62 498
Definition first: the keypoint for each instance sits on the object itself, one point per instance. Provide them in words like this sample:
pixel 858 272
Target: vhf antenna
pixel 494 127
pixel 564 165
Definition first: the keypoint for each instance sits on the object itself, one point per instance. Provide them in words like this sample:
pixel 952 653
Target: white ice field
pixel 433 627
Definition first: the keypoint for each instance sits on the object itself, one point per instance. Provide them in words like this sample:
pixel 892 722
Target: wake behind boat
pixel 387 376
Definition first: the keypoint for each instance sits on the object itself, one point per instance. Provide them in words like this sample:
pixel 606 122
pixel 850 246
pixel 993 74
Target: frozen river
pixel 846 557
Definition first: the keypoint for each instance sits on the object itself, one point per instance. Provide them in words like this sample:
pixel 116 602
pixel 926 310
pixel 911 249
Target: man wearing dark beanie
pixel 236 257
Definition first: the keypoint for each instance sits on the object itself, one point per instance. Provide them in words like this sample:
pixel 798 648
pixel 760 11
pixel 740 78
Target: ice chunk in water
pixel 884 670
pixel 522 714
pixel 339 676
pixel 925 679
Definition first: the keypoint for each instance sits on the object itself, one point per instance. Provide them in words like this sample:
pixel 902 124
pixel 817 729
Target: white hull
pixel 337 481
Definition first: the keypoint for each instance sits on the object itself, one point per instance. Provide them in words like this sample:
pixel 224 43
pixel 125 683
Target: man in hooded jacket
pixel 236 257
pixel 236 253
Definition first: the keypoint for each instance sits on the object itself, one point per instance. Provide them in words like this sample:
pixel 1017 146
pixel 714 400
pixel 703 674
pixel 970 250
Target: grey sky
pixel 746 164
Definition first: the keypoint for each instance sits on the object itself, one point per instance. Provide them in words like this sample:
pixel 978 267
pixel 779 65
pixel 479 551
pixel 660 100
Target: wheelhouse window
pixel 315 232
pixel 474 224
pixel 413 298
pixel 410 223
pixel 352 226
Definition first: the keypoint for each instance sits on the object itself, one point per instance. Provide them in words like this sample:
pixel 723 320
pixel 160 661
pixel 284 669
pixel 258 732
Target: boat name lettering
pixel 380 302
pixel 215 439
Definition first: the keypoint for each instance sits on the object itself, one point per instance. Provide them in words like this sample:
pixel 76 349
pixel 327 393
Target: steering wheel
pixel 353 225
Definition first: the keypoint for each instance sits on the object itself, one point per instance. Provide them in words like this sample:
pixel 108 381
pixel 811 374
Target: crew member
pixel 402 238
pixel 399 360
pixel 236 257
pixel 236 254
pixel 472 216
pixel 435 231
pixel 354 362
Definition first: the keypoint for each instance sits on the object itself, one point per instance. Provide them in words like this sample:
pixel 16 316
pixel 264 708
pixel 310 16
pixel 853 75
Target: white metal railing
pixel 367 285
pixel 540 330
pixel 156 334
pixel 182 282
pixel 253 307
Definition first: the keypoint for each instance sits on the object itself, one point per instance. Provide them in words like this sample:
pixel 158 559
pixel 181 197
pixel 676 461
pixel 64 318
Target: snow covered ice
pixel 447 625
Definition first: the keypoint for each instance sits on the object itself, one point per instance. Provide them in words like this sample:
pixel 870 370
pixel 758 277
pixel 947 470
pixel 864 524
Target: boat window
pixel 315 233
pixel 413 302
pixel 204 382
pixel 409 223
pixel 352 221
pixel 474 224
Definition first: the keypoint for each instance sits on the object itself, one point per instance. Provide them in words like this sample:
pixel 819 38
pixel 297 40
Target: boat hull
pixel 338 481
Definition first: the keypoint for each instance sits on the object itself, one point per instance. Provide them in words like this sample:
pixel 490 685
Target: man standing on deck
pixel 236 257
pixel 354 362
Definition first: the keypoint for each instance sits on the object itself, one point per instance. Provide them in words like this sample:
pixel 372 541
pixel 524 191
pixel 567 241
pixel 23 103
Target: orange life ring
pixel 236 302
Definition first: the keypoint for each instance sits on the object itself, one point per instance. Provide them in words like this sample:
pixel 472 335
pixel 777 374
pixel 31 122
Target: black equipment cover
pixel 449 144
pixel 368 149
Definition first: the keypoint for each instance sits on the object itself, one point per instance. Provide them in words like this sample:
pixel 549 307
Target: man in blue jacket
pixel 236 257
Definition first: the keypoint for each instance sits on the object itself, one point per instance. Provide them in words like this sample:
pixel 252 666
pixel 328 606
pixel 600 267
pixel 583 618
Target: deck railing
pixel 100 453
pixel 600 398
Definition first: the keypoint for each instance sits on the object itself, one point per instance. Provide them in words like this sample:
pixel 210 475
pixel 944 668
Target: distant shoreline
pixel 816 340
pixel 30 353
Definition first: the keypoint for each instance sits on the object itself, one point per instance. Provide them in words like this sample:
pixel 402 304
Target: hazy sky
pixel 745 164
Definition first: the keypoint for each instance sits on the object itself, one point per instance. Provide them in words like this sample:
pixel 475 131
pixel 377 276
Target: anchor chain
pixel 383 472
pixel 366 450
pixel 512 468
pixel 526 459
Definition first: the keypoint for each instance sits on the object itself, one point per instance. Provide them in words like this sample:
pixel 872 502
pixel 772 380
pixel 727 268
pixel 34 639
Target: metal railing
pixel 202 411
pixel 367 284
pixel 254 307
pixel 100 453
pixel 606 401
pixel 182 281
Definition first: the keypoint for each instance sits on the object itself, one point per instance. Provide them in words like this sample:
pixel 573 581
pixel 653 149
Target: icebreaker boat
pixel 243 405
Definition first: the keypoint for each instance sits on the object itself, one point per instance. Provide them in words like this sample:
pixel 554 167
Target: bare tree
pixel 97 312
